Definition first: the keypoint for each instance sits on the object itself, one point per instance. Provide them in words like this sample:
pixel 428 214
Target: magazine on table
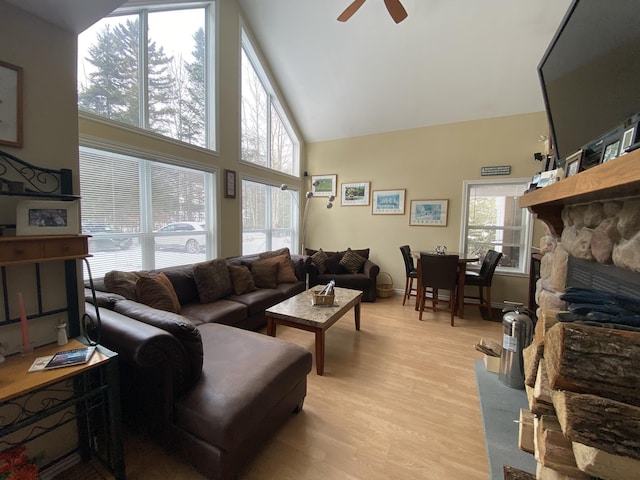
pixel 66 358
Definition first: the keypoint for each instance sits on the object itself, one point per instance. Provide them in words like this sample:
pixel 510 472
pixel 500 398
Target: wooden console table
pixel 87 393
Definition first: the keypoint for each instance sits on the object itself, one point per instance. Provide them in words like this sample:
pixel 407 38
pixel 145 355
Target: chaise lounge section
pixel 198 381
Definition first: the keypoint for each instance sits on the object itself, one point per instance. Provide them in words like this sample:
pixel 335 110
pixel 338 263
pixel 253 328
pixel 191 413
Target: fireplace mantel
pixel 616 179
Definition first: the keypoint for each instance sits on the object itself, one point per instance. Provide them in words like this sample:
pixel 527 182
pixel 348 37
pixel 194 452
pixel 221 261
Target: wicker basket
pixel 384 289
pixel 322 300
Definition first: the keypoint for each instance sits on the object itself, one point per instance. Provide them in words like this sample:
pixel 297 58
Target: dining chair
pixel 438 272
pixel 483 280
pixel 411 273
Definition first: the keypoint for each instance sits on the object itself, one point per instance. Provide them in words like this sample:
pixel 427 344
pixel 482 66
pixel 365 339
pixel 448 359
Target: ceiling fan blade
pixel 350 10
pixel 396 10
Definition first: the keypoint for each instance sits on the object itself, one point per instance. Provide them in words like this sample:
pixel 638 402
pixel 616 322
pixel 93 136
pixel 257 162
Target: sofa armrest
pixel 371 269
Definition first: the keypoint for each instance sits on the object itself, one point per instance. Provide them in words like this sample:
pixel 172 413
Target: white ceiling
pixel 449 61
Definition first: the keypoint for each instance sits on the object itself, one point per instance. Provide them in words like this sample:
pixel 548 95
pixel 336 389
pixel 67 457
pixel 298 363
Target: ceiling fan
pixel 395 8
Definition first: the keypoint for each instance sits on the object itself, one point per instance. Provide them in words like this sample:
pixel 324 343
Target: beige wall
pixel 430 163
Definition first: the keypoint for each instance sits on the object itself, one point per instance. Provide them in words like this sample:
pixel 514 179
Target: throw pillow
pixel 162 277
pixel 241 279
pixel 352 262
pixel 286 273
pixel 153 292
pixel 213 280
pixel 265 273
pixel 123 283
pixel 333 265
pixel 318 260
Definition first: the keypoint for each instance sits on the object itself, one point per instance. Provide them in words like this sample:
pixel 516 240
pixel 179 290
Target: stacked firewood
pixel 583 387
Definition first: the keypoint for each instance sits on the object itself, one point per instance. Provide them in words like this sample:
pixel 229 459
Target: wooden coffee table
pixel 298 312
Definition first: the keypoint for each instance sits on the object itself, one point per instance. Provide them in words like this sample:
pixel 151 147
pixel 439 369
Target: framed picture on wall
pixel 429 213
pixel 388 202
pixel 229 184
pixel 355 194
pixel 10 105
pixel 324 185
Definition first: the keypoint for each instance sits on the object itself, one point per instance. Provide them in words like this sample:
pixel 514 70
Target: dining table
pixel 462 270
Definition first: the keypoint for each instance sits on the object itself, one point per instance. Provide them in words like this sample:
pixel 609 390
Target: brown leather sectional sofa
pixel 199 381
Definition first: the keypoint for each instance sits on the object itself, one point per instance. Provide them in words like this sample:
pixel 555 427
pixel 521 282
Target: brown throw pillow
pixel 241 279
pixel 213 280
pixel 286 273
pixel 318 260
pixel 352 262
pixel 265 273
pixel 123 283
pixel 162 277
pixel 153 292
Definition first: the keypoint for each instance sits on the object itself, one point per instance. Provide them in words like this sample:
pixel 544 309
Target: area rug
pixel 500 407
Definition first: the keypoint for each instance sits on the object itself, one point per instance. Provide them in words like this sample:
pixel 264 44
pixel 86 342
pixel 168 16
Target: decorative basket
pixel 384 289
pixel 323 300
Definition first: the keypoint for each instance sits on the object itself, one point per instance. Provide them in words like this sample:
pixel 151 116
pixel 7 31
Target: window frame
pixel 274 107
pixel 526 227
pixel 144 7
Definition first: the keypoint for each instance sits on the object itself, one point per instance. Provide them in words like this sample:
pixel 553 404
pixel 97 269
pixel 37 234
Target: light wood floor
pixel 398 400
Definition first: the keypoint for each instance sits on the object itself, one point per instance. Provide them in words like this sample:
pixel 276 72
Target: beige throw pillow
pixel 154 292
pixel 123 283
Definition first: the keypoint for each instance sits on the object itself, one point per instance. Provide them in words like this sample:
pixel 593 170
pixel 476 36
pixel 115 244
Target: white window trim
pixel 527 228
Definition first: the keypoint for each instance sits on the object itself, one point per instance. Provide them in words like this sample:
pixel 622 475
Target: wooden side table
pixel 92 389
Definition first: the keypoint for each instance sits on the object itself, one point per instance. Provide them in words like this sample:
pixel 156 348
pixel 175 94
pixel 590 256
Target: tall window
pixel 151 68
pixel 269 218
pixel 493 220
pixel 267 137
pixel 143 214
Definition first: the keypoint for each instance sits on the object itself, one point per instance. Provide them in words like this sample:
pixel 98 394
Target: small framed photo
pixel 627 138
pixel 355 194
pixel 43 217
pixel 324 185
pixel 573 163
pixel 229 184
pixel 611 151
pixel 431 213
pixel 388 202
pixel 10 105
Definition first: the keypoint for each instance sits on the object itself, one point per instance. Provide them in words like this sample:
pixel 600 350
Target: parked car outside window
pixel 106 237
pixel 189 236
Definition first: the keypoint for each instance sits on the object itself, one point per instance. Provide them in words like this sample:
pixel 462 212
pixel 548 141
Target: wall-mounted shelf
pixel 618 178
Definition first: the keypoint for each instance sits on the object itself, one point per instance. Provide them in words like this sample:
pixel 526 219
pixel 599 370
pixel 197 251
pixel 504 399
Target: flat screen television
pixel 590 73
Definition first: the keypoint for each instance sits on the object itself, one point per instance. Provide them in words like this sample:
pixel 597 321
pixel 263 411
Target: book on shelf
pixel 66 358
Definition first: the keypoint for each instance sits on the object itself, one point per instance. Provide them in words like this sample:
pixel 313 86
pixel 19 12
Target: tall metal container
pixel 517 334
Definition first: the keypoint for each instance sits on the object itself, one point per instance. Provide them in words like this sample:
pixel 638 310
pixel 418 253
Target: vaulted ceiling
pixel 449 61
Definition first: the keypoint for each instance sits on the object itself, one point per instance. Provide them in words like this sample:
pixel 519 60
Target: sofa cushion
pixel 333 265
pixel 265 273
pixel 352 262
pixel 261 299
pixel 221 311
pixel 226 409
pixel 185 332
pixel 157 292
pixel 286 273
pixel 212 280
pixel 183 281
pixel 318 260
pixel 123 283
pixel 241 279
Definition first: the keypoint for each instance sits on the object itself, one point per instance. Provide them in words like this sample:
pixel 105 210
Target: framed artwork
pixel 355 194
pixel 44 217
pixel 627 138
pixel 573 163
pixel 229 184
pixel 10 105
pixel 429 213
pixel 388 202
pixel 324 185
pixel 611 151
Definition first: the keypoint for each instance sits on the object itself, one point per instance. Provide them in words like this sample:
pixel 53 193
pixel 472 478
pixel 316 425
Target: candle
pixel 26 346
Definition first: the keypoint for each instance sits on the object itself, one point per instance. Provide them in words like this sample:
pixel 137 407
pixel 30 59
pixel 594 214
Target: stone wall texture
pixel 604 232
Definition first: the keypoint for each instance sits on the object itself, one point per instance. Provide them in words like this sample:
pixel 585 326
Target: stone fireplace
pixel 605 234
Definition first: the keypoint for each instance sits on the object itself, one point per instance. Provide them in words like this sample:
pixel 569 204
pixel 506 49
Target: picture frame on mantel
pixel 11 119
pixel 45 217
